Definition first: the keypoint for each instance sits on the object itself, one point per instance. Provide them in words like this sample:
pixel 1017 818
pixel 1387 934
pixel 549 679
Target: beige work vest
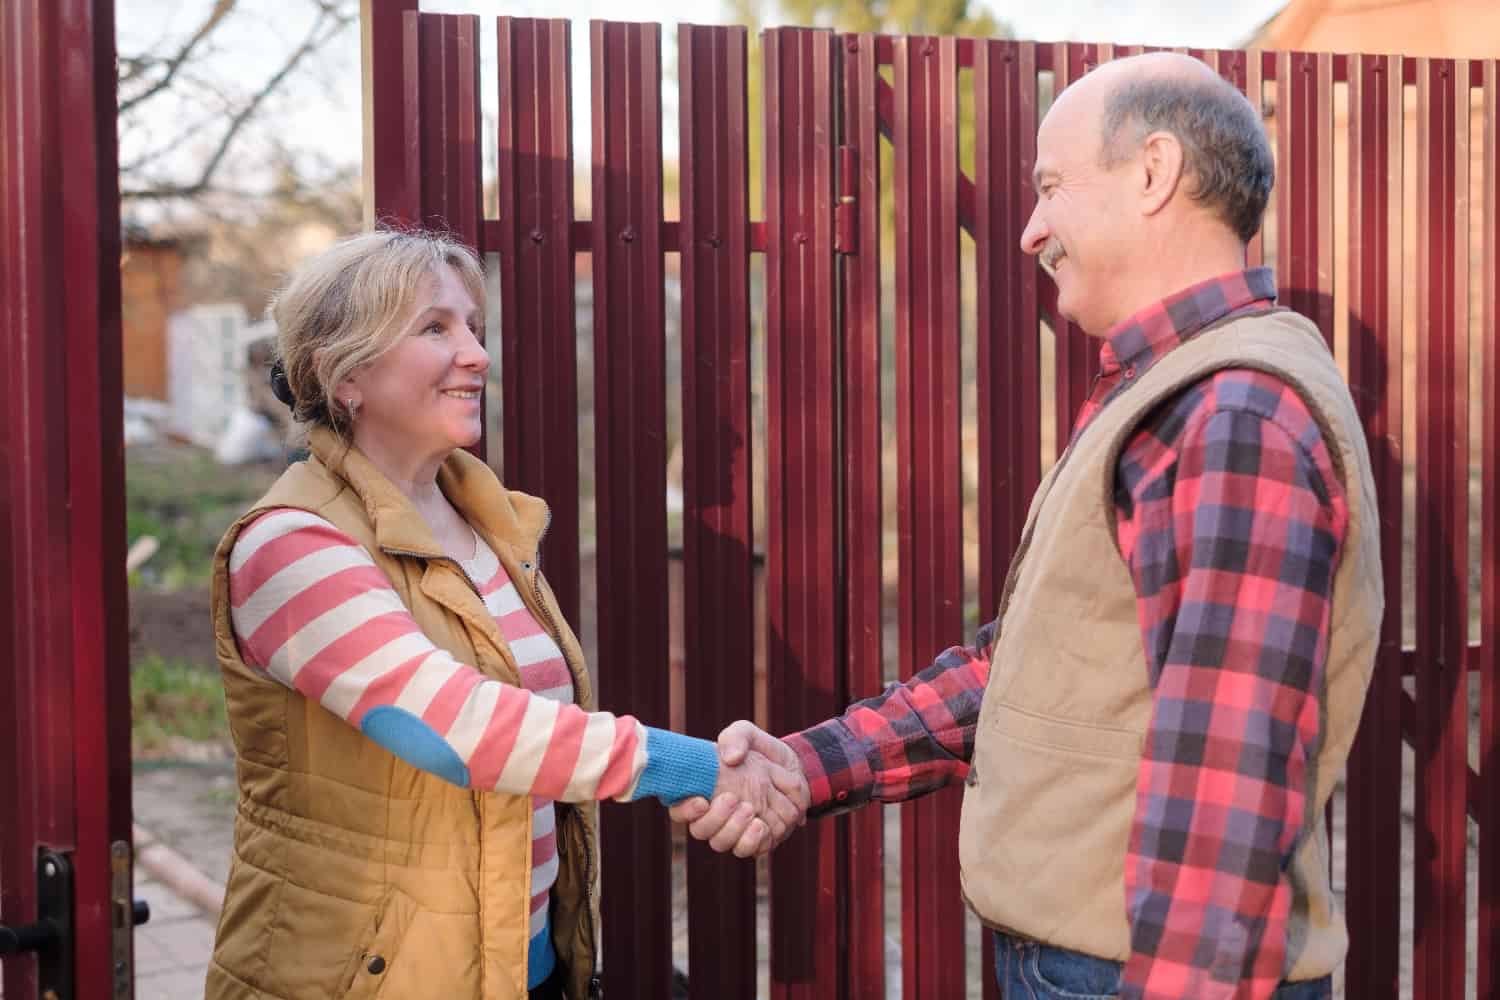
pixel 1048 810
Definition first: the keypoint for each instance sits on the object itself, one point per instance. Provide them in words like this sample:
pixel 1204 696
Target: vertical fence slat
pixel 803 592
pixel 1375 344
pixel 1253 87
pixel 1007 355
pixel 1489 621
pixel 717 535
pixel 928 449
pixel 442 108
pixel 630 461
pixel 1304 179
pixel 539 364
pixel 1076 354
pixel 390 192
pixel 1005 122
pixel 1442 531
pixel 442 92
pixel 863 566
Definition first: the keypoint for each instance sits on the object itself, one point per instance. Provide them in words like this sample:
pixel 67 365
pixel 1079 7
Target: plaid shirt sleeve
pixel 1231 518
pixel 911 739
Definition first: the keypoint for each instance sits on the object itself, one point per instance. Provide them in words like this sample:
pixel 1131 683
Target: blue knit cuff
pixel 677 767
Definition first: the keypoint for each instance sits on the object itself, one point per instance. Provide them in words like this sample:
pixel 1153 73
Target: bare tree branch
pixel 136 66
pixel 331 16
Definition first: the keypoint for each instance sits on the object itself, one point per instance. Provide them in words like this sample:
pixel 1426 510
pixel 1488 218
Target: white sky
pixel 319 112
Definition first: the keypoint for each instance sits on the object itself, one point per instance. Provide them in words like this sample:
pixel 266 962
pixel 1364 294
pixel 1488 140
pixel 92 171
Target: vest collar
pixel 515 520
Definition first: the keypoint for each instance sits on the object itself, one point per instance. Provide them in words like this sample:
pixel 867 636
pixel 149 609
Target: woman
pixel 417 752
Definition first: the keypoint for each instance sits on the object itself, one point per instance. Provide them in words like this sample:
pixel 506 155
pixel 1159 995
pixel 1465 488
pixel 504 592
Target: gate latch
pixel 51 935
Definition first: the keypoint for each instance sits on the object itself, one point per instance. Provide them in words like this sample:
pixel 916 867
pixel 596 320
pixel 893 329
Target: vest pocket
pixel 370 966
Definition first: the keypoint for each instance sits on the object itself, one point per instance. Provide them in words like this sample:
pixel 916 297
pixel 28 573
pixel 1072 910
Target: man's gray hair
pixel 1224 147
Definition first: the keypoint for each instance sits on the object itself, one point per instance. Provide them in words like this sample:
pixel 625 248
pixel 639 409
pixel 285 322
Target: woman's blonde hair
pixel 349 304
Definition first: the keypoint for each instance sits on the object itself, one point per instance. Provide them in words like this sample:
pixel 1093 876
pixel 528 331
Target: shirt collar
pixel 1141 340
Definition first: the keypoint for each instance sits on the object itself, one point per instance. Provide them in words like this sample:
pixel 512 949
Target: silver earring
pixel 353 406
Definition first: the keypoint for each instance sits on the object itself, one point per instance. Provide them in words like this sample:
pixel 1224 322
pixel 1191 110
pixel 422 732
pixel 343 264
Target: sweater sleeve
pixel 311 609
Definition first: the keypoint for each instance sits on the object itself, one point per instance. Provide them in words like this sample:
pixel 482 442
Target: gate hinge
pixel 125 913
pixel 845 221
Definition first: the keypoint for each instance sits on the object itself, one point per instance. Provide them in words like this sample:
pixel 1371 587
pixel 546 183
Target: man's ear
pixel 1161 158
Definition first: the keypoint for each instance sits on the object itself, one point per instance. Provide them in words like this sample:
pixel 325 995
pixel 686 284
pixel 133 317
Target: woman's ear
pixel 348 393
pixel 1161 156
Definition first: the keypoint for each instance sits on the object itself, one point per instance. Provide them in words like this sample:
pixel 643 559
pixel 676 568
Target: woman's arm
pixel 311 609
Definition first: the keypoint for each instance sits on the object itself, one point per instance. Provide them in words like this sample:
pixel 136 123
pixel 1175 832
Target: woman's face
pixel 423 395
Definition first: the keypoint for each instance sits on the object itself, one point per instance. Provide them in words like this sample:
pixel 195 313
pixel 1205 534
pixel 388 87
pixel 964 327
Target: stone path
pixel 184 816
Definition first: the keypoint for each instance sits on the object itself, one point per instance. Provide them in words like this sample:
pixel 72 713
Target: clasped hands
pixel 762 795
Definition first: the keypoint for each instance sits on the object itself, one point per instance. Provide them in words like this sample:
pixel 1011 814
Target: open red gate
pixel 65 856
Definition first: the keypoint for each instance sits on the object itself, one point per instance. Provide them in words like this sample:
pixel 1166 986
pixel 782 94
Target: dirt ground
pixel 173 624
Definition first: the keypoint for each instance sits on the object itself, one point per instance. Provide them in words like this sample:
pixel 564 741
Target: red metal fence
pixel 1401 278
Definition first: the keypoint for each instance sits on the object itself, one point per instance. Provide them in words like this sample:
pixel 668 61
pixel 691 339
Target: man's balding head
pixel 1151 175
pixel 1226 156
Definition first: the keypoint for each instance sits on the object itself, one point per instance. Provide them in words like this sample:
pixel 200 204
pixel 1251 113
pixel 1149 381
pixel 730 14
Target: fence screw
pixel 627 235
pixel 537 236
pixel 852 45
pixel 800 238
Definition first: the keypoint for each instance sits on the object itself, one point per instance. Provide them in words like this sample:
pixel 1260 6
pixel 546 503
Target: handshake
pixel 761 797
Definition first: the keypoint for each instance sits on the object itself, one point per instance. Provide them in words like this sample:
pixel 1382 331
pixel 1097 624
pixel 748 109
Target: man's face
pixel 1082 225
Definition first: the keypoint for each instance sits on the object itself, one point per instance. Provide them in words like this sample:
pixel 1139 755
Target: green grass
pixel 172 701
pixel 186 500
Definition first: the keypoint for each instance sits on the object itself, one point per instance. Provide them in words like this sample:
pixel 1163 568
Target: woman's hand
pixel 762 795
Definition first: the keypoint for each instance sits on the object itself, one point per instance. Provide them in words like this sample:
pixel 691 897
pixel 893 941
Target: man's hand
pixel 761 798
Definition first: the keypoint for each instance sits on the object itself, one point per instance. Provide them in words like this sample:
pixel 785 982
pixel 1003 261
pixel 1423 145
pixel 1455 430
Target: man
pixel 1150 730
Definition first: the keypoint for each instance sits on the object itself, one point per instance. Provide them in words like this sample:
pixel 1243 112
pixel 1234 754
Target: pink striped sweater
pixel 311 609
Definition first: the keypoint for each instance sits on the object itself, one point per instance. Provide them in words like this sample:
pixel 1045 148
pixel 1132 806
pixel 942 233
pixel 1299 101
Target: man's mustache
pixel 1051 254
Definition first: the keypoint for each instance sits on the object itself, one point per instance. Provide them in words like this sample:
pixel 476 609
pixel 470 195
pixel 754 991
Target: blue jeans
pixel 1026 970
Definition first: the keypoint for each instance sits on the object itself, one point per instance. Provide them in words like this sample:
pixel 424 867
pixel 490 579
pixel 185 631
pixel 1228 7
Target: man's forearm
pixel 911 739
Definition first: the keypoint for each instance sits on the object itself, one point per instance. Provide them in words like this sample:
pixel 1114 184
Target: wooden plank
pixel 630 459
pixel 1442 530
pixel 539 365
pixel 1374 306
pixel 717 532
pixel 803 587
pixel 863 551
pixel 928 456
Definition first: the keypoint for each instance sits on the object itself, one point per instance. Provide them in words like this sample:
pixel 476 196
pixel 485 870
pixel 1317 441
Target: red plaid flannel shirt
pixel 1230 517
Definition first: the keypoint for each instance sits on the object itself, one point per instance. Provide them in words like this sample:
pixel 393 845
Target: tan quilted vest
pixel 342 852
pixel 1048 810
